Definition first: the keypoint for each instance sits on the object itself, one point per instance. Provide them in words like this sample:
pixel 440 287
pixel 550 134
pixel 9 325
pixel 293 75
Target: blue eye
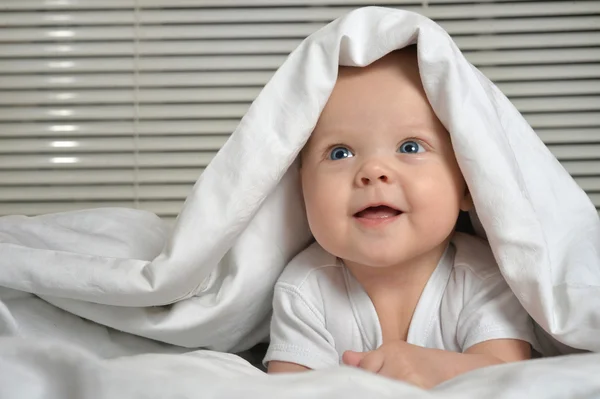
pixel 340 153
pixel 411 147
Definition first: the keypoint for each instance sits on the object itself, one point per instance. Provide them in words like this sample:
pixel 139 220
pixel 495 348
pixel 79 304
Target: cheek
pixel 319 200
pixel 325 207
pixel 436 199
pixel 436 184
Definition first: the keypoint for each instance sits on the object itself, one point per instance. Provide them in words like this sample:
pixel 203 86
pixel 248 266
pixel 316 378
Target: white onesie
pixel 320 310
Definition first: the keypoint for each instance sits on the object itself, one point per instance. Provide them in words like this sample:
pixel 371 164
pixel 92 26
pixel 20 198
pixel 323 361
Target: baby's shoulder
pixel 474 257
pixel 310 268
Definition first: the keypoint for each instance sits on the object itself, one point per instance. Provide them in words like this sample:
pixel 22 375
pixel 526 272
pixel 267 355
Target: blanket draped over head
pixel 118 282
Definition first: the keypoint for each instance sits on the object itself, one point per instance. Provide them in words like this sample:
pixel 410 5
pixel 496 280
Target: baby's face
pixel 380 181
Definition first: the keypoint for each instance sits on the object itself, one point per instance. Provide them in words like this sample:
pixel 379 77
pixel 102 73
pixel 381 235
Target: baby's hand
pixel 401 361
pixel 426 367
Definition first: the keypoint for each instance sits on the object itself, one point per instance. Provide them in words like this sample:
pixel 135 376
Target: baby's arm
pixel 504 350
pixel 427 367
pixel 284 367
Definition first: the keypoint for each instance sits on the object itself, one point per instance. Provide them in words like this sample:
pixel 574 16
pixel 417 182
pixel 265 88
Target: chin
pixel 379 261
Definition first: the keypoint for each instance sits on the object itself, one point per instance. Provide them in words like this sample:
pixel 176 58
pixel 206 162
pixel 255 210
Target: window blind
pixel 124 102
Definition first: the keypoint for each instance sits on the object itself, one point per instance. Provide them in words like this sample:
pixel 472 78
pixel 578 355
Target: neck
pixel 395 290
pixel 405 278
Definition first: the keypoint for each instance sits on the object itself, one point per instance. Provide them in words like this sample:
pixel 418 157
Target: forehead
pixel 385 96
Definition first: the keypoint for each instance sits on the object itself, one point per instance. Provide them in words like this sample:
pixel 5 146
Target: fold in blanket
pixel 209 282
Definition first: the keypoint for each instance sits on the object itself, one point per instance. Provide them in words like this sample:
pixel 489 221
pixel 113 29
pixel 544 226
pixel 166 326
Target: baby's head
pixel 380 180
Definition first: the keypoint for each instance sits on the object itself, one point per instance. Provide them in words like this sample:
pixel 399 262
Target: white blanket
pixel 32 370
pixel 208 282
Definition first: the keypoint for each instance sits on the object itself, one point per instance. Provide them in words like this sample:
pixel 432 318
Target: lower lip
pixel 376 222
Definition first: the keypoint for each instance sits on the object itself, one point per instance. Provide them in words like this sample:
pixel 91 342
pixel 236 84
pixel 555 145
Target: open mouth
pixel 377 212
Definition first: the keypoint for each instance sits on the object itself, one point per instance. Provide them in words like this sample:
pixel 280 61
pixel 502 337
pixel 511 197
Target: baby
pixel 389 286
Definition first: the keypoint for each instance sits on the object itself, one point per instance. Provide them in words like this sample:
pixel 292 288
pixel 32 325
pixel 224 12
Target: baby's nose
pixel 374 172
pixel 366 180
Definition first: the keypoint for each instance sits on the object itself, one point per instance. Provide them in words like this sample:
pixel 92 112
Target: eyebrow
pixel 422 130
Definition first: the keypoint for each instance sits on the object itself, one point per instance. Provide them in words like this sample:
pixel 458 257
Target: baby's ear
pixel 466 204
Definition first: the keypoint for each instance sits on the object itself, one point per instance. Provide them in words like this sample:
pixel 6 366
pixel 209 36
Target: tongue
pixel 378 212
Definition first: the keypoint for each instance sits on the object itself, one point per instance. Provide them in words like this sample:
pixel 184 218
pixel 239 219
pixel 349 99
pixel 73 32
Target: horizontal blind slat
pixel 576 151
pixel 224 127
pixel 262 62
pixel 67 49
pixel 92 176
pixel 66 4
pixel 40 207
pixel 595 197
pixel 487 26
pixel 198 63
pixel 108 96
pixel 69 18
pixel 568 119
pixel 557 104
pixel 125 34
pixel 533 56
pixel 589 183
pixel 78 128
pixel 51 34
pixel 541 72
pixel 259 78
pixel 125 111
pixel 550 88
pixel 301 30
pixel 528 40
pixel 108 160
pixel 434 11
pixel 265 3
pixel 326 14
pixel 274 45
pixel 21 82
pixel 118 4
pixel 247 94
pixel 569 135
pixel 232 110
pixel 67 65
pixel 93 192
pixel 175 79
pixel 582 168
pixel 112 144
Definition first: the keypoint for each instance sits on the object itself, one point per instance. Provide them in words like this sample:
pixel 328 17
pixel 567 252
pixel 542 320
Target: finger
pixel 373 361
pixel 351 358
